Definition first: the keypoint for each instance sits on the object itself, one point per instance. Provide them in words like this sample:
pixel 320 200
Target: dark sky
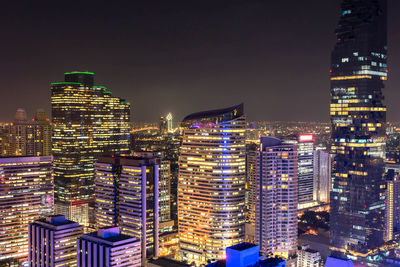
pixel 182 56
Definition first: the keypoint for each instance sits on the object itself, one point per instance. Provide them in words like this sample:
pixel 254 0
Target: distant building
pixel 306 168
pixel 26 194
pixel 126 196
pixel 322 176
pixel 108 247
pixel 24 137
pixel 52 241
pixel 169 123
pixel 211 187
pixel 307 257
pixel 88 121
pixel 277 198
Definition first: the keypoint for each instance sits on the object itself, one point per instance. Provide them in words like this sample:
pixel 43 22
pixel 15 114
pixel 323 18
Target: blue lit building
pixel 245 255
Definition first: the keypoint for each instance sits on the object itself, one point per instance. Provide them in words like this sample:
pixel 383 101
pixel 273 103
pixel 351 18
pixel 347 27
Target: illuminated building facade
pixel 211 185
pixel 358 115
pixel 306 168
pixel 88 121
pixel 322 176
pixel 52 241
pixel 109 247
pixel 251 193
pixel 392 212
pixel 126 196
pixel 24 137
pixel 26 193
pixel 308 257
pixel 277 198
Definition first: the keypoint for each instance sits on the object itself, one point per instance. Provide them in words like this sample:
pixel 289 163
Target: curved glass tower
pixel 358 116
pixel 211 186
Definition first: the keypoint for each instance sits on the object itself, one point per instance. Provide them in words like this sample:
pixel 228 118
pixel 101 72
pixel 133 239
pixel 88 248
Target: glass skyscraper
pixel 358 116
pixel 88 121
pixel 211 185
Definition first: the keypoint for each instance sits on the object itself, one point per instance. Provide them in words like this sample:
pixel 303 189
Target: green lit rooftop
pixel 79 72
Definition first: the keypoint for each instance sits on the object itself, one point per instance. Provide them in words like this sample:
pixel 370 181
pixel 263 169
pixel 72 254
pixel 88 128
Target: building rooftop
pixel 56 222
pixel 242 246
pixel 226 114
pixel 168 263
pixel 110 236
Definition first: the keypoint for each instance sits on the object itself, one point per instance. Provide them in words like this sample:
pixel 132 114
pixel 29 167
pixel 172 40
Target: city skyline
pixel 182 52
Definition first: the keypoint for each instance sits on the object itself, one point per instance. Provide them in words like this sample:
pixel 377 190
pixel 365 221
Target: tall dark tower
pixel 358 118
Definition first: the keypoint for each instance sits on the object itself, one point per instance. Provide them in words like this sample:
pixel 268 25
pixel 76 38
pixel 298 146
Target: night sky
pixel 182 56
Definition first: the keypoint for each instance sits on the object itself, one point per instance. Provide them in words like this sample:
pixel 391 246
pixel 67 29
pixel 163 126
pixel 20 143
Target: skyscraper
pixel 358 115
pixel 127 196
pixel 52 241
pixel 26 193
pixel 211 185
pixel 277 198
pixel 88 121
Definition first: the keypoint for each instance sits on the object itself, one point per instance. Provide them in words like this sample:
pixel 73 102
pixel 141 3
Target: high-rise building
pixel 251 193
pixel 52 241
pixel 392 212
pixel 358 115
pixel 211 186
pixel 24 137
pixel 126 196
pixel 109 247
pixel 277 198
pixel 306 168
pixel 322 176
pixel 88 121
pixel 26 193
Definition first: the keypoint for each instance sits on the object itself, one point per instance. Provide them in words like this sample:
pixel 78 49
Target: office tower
pixel 277 199
pixel 392 211
pixel 26 193
pixel 250 215
pixel 52 241
pixel 211 185
pixel 24 137
pixel 306 168
pixel 358 115
pixel 308 257
pixel 108 247
pixel 88 121
pixel 126 196
pixel 322 176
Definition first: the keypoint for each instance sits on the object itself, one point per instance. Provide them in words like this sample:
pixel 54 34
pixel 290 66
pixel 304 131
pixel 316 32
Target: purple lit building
pixel 52 241
pixel 126 190
pixel 108 247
